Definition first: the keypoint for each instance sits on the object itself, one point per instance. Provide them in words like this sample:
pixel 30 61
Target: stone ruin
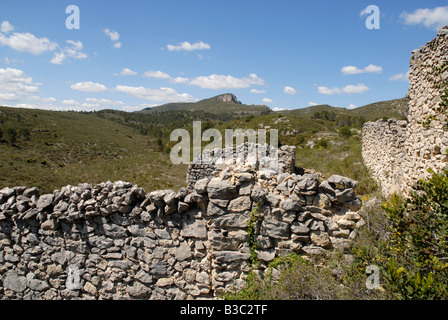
pixel 398 153
pixel 115 241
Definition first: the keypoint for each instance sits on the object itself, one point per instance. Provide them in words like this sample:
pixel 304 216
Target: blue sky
pixel 129 55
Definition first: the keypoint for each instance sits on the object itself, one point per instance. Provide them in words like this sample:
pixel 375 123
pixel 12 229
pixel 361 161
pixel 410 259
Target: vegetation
pixel 406 240
pixel 50 149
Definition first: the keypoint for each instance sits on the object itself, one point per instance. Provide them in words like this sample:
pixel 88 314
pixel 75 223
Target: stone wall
pixel 399 153
pixel 114 241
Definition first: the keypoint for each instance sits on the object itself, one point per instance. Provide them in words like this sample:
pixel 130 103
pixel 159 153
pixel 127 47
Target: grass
pixel 70 148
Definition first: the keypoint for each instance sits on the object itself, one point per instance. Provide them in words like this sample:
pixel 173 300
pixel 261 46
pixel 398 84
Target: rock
pixel 201 185
pixel 214 210
pixel 90 289
pixel 230 256
pixel 14 282
pixel 345 195
pixel 326 187
pixel 258 194
pixel 343 245
pixel 194 228
pixel 354 204
pixel 165 282
pixel 273 199
pixel 221 189
pixel 139 290
pixel 291 205
pixel 275 229
pixel 156 197
pixel 344 181
pixel 308 182
pixel 233 220
pixel 183 252
pixel 114 231
pixel 182 206
pixel 239 204
pixel 320 239
pixel 35 284
pixel 299 228
pixel 314 250
pixel 44 201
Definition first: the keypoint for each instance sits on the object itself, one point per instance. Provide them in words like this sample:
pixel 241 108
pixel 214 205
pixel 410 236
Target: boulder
pixel 221 189
pixel 344 181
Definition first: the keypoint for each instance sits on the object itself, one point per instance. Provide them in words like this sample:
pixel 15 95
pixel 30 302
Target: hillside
pixel 49 149
pixel 396 108
pixel 225 104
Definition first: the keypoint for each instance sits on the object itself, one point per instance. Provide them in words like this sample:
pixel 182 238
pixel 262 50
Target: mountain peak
pixel 228 97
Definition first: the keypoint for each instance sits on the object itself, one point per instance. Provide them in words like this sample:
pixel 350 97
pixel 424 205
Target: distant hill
pixel 396 108
pixel 222 104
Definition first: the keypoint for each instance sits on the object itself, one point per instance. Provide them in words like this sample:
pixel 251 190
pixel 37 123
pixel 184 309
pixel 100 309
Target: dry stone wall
pixel 115 241
pixel 399 153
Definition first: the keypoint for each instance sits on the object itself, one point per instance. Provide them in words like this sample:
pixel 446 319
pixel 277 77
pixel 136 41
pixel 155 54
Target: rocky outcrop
pixel 115 241
pixel 398 153
pixel 228 97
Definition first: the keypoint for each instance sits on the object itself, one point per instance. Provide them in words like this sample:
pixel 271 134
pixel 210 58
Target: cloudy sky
pixel 129 55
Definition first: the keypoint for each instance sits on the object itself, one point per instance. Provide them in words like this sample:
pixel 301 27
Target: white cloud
pixel 74 50
pixel 278 109
pixel 216 81
pixel 6 27
pixel 431 18
pixel 359 88
pixel 156 74
pixel 187 46
pixel 289 90
pixel 8 96
pixel 14 84
pixel 400 77
pixel 355 70
pixel 40 99
pixel 161 94
pixel 352 106
pixel 70 102
pixel 105 101
pixel 27 42
pixel 139 107
pixel 257 91
pixel 180 80
pixel 267 100
pixel 128 72
pixel 311 103
pixel 88 86
pixel 114 36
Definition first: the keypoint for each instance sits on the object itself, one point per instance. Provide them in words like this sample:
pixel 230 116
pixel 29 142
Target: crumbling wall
pixel 115 241
pixel 398 154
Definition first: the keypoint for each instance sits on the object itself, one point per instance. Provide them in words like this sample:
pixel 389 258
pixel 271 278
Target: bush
pixel 345 132
pixel 322 144
pixel 11 135
pixel 416 250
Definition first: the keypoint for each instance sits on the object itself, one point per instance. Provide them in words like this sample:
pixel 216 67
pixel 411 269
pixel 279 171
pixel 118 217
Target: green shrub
pixel 11 135
pixel 322 144
pixel 345 132
pixel 416 250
